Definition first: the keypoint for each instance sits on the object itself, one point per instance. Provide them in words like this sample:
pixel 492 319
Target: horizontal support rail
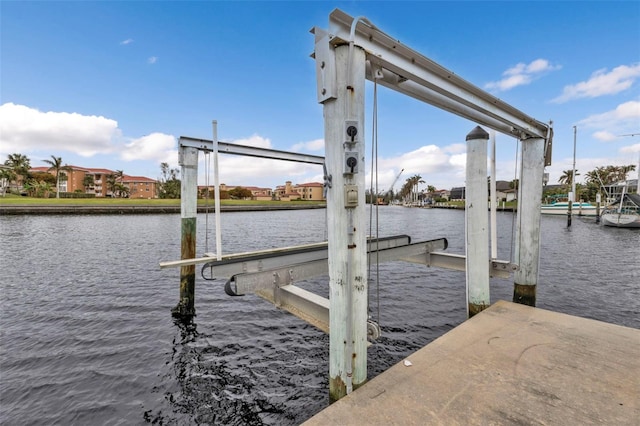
pixel 304 304
pixel 250 281
pixel 439 86
pixel 457 262
pixel 282 258
pixel 249 151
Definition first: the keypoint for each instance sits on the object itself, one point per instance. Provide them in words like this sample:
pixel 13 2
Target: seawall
pixel 141 209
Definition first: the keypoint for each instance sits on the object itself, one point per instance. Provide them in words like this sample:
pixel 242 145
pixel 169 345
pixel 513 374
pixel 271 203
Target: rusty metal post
pixel 188 212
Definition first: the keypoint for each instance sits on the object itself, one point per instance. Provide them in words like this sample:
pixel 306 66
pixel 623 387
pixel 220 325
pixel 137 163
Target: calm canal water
pixel 86 335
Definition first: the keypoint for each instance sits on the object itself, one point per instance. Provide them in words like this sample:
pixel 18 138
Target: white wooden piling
pixel 346 220
pixel 527 245
pixel 477 223
pixel 188 213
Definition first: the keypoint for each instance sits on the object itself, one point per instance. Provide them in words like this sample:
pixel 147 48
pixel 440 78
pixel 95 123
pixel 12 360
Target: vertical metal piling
pixel 598 201
pixel 344 156
pixel 477 223
pixel 188 212
pixel 527 245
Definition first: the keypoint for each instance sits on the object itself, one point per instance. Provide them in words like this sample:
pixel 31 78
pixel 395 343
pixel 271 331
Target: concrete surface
pixel 510 364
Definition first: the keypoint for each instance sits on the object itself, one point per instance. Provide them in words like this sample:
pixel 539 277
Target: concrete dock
pixel 510 364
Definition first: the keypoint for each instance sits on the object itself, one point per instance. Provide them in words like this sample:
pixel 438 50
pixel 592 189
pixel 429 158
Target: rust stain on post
pixel 186 305
pixel 337 389
pixel 476 308
pixel 524 294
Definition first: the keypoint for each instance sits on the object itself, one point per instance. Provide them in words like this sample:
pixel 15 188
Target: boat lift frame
pixel 351 51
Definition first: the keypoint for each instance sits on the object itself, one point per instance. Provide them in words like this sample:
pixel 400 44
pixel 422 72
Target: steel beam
pixel 304 304
pixel 438 85
pixel 249 151
pixel 281 258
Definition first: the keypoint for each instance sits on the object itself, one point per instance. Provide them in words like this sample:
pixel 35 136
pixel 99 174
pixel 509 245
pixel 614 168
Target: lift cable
pixel 373 194
pixel 207 172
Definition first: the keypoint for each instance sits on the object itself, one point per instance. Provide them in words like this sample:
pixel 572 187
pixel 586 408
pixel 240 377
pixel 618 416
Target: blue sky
pixel 113 84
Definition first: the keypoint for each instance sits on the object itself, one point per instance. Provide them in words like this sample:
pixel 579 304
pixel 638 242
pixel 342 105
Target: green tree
pixel 431 188
pixel 58 169
pixel 88 182
pixel 20 165
pixel 567 177
pixel 240 193
pixel 6 177
pixel 111 184
pixel 168 183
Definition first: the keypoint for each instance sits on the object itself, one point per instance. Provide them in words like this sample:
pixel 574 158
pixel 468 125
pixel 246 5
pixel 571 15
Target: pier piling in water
pixel 527 244
pixel 188 208
pixel 477 223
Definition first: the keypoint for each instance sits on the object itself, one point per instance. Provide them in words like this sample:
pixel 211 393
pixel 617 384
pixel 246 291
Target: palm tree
pixel 567 177
pixel 57 168
pixel 7 176
pixel 88 182
pixel 20 165
pixel 111 184
pixel 623 171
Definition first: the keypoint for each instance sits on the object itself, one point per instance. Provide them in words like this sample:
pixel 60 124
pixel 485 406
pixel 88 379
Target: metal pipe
pixel 216 190
pixel 494 198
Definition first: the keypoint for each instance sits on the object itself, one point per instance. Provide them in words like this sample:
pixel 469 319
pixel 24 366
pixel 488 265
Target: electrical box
pixel 350 162
pixel 351 196
pixel 351 131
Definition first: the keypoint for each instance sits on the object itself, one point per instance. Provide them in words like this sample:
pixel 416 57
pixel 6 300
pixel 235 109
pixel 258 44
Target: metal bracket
pixel 327 180
pixel 325 65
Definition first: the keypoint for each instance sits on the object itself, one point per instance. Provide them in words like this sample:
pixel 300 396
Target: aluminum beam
pixel 282 258
pixel 304 304
pixel 441 87
pixel 249 151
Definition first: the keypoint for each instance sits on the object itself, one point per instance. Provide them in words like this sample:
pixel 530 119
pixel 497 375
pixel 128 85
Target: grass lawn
pixel 17 200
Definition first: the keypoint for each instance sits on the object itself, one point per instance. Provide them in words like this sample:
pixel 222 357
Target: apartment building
pixel 95 181
pixel 257 193
pixel 303 191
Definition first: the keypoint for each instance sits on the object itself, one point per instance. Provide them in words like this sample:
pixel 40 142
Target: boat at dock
pixel 562 208
pixel 623 213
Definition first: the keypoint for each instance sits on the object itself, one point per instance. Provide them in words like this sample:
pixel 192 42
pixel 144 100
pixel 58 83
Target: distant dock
pixel 510 364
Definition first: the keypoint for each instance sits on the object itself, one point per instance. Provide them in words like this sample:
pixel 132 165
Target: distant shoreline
pixel 141 209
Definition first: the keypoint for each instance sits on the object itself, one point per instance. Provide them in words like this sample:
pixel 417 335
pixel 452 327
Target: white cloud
pixel 127 41
pixel 623 119
pixel 157 147
pixel 152 59
pixel 631 149
pixel 602 83
pixel 522 74
pixel 314 145
pixel 26 129
pixel 442 167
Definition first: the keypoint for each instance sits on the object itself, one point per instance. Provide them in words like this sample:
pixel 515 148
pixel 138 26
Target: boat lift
pixel 351 51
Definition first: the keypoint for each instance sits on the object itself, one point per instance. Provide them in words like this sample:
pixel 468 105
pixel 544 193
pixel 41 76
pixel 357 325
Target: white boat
pixel 562 208
pixel 623 213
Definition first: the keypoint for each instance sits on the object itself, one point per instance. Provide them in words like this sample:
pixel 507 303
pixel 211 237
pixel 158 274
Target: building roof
pixel 310 184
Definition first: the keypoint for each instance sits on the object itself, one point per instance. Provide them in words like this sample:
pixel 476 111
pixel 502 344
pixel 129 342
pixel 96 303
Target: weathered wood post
pixel 598 201
pixel 477 223
pixel 344 156
pixel 527 245
pixel 188 212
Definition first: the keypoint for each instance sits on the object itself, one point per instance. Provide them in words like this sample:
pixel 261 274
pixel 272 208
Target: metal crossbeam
pixel 283 258
pixel 249 151
pixel 401 68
